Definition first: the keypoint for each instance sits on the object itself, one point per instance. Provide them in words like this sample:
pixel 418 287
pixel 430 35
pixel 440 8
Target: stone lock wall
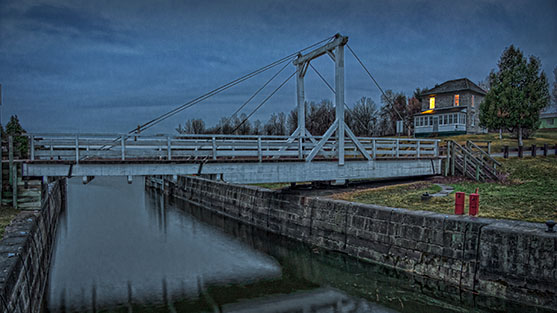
pixel 26 250
pixel 507 259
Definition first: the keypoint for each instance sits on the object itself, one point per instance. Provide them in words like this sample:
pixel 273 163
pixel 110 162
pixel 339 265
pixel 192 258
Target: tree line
pixel 365 118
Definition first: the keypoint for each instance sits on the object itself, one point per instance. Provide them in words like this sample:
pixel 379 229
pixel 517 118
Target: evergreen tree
pixel 13 128
pixel 519 91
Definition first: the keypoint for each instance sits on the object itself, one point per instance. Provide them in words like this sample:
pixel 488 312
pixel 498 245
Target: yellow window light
pixel 456 100
pixel 432 103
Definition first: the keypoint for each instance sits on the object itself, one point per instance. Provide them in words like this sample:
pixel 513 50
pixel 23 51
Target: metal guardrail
pixel 78 147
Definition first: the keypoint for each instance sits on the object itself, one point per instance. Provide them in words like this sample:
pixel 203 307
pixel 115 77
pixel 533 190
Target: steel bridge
pixel 238 159
pixel 335 156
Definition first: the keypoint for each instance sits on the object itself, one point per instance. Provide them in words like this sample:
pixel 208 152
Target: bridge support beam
pixel 339 101
pixel 251 172
pixel 300 98
pixel 339 126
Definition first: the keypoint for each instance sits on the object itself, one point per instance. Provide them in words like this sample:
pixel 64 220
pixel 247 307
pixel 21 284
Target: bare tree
pixel 192 126
pixel 276 125
pixel 320 117
pixel 363 118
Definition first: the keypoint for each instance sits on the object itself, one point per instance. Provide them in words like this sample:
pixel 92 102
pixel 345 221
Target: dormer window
pixel 432 103
pixel 456 100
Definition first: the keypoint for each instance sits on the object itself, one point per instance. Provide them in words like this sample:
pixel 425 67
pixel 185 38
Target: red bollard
pixel 459 203
pixel 474 203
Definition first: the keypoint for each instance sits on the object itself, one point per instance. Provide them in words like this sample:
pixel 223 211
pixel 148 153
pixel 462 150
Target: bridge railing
pixel 79 147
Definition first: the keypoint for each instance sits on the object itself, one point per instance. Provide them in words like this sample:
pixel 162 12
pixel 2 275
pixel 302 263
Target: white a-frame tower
pixel 335 50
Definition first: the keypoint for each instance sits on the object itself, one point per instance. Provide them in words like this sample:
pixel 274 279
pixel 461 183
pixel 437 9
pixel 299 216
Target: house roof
pixel 442 110
pixel 450 86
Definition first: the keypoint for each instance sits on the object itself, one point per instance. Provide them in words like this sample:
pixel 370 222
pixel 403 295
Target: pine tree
pixel 13 128
pixel 519 91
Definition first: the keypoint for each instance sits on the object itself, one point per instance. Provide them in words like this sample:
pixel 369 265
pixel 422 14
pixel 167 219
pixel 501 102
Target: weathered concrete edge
pixel 507 259
pixel 26 251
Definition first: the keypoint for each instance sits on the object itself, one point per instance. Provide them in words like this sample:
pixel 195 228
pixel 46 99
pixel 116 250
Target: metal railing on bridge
pixel 104 147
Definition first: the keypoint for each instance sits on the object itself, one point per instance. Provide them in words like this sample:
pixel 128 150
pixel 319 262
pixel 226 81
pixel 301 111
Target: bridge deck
pixel 240 159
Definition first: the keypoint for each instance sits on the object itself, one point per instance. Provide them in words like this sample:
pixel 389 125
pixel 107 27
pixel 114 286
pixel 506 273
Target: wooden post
pixel 339 101
pixel 76 149
pixel 214 148
pixel 259 154
pixel 489 147
pixel 397 148
pixel 453 156
pixel 533 150
pixel 477 171
pixel 448 159
pixel 506 152
pixel 464 166
pixel 300 148
pixel 374 148
pixel 545 149
pixel 123 148
pixel 520 151
pixel 418 149
pixel 11 158
pixel 14 186
pixel 32 148
pixel 169 147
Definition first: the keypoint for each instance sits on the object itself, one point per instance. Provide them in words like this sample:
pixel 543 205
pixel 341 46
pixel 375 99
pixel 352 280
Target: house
pixel 449 109
pixel 548 117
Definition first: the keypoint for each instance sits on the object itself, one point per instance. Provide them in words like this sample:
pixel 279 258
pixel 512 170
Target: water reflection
pixel 117 243
pixel 123 249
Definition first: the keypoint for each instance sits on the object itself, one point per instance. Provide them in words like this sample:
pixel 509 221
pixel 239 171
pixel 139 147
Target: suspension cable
pixel 251 98
pixel 264 101
pixel 334 92
pixel 221 88
pixel 390 101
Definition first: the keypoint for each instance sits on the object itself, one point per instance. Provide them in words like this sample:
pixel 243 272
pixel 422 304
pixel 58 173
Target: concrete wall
pixel 26 250
pixel 507 259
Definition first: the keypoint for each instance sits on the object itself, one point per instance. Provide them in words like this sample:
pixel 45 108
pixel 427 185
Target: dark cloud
pixel 107 65
pixel 66 20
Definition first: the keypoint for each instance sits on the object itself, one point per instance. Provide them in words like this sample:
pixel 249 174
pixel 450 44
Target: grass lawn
pixel 529 193
pixel 539 138
pixel 7 214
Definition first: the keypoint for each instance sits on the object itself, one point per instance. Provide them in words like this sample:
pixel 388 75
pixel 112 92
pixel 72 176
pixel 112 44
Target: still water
pixel 121 248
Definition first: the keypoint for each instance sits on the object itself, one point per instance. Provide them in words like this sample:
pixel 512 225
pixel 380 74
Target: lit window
pixel 472 100
pixel 432 103
pixel 456 100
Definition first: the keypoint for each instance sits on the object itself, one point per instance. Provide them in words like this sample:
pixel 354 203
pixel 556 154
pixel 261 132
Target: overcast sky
pixel 106 66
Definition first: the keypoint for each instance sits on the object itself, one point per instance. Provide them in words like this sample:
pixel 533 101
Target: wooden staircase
pixel 470 161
